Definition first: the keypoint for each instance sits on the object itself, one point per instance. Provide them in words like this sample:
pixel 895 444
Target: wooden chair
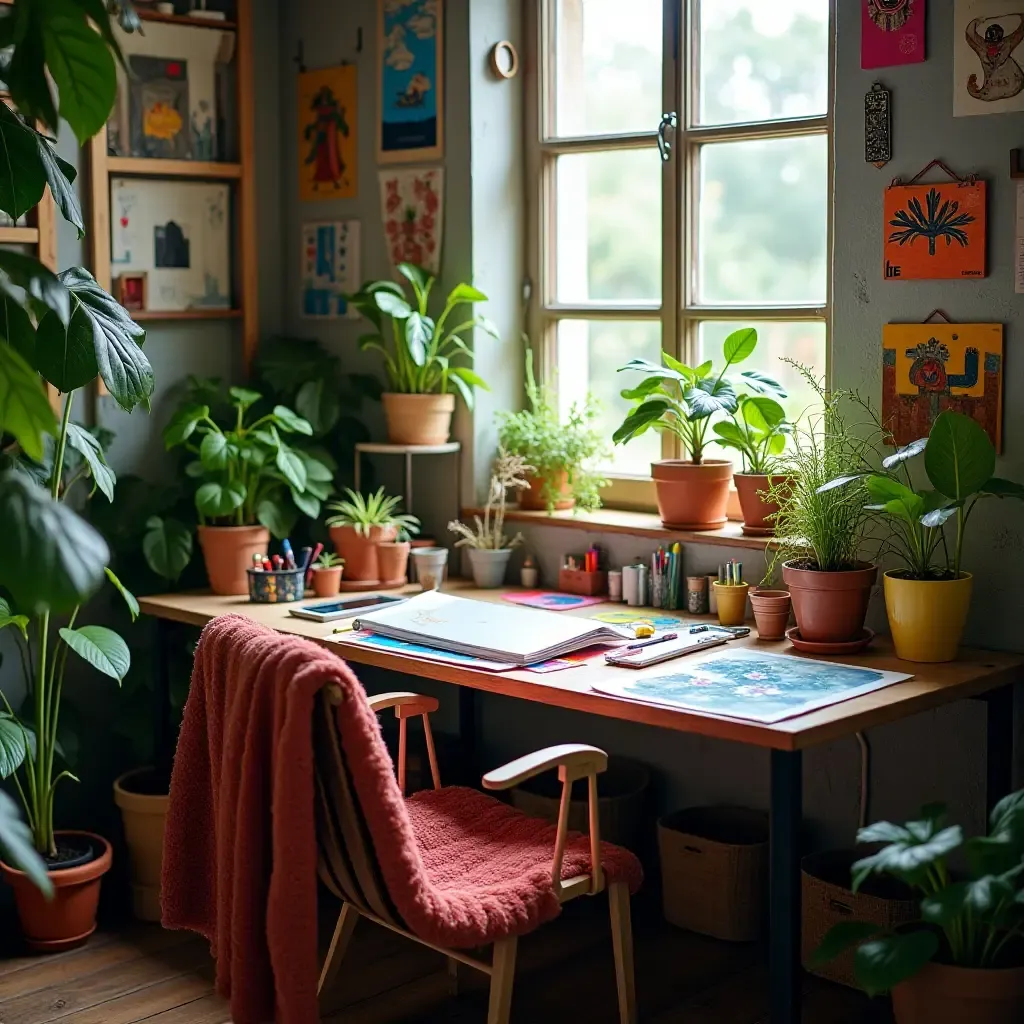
pixel 355 864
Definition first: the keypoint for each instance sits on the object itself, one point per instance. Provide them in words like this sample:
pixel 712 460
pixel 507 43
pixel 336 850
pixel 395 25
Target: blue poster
pixel 330 268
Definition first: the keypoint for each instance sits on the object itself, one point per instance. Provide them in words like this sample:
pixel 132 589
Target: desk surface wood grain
pixel 974 673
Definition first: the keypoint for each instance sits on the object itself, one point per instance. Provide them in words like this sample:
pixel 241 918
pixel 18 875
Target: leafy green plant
pixel 679 400
pixel 377 509
pixel 959 462
pixel 932 222
pixel 246 472
pixel 328 560
pixel 758 430
pixel 420 358
pixel 976 921
pixel 554 447
pixel 488 533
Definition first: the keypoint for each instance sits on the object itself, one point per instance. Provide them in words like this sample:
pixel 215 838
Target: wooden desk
pixel 976 674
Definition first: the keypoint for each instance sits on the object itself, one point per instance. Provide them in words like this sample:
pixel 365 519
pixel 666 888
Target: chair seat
pixel 493 862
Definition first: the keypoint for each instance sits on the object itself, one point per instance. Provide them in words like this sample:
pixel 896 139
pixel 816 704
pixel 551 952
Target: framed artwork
pixel 412 208
pixel 158 101
pixel 927 368
pixel 131 291
pixel 891 32
pixel 987 57
pixel 328 133
pixel 178 234
pixel 330 268
pixel 935 231
pixel 410 80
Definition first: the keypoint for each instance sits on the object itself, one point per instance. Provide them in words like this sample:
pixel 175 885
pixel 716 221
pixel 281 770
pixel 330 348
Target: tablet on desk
pixel 344 607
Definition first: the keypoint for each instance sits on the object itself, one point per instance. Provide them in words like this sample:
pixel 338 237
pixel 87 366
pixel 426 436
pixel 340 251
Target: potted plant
pixel 360 524
pixel 249 482
pixel 489 548
pixel 327 574
pixel 964 959
pixel 563 452
pixel 420 357
pixel 393 558
pixel 927 599
pixel 693 493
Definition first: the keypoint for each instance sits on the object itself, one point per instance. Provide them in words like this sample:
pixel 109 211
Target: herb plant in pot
pixel 421 356
pixel 327 571
pixel 693 493
pixel 963 961
pixel 359 526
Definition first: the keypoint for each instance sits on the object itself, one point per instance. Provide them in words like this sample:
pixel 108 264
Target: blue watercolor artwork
pixel 751 685
pixel 330 268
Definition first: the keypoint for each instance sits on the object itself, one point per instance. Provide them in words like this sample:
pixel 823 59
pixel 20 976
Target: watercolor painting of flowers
pixel 412 208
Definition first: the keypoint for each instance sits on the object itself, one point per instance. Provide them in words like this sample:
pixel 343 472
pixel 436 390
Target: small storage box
pixel 277 587
pixel 578 581
pixel 714 871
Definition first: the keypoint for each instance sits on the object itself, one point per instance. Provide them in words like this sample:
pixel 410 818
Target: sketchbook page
pixel 750 685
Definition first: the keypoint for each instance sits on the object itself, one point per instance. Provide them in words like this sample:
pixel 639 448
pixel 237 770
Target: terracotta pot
pixel 68 919
pixel 533 499
pixel 228 552
pixel 927 617
pixel 830 606
pixel 360 550
pixel 418 419
pixel 940 994
pixel 327 582
pixel 143 814
pixel 393 560
pixel 756 510
pixel 692 496
pixel 771 612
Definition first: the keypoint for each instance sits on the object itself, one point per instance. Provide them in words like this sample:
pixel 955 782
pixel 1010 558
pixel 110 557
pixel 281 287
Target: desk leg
pixel 999 755
pixel 784 913
pixel 163 748
pixel 467 731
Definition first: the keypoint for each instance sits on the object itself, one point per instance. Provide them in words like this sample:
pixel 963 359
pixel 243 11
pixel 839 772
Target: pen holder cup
pixel 732 603
pixel 277 587
pixel 579 581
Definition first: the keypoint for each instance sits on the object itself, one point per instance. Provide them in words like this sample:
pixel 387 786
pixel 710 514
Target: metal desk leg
pixel 163 746
pixel 999 754
pixel 784 915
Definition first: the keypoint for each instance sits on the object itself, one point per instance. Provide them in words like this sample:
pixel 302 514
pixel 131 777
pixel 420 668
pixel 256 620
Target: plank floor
pixel 565 973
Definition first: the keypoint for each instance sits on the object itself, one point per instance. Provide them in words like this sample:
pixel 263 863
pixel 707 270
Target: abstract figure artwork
pixel 987 57
pixel 928 368
pixel 892 32
pixel 328 138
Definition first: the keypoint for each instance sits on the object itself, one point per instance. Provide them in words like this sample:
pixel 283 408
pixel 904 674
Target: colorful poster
pixel 412 204
pixel 410 80
pixel 927 368
pixel 330 268
pixel 328 134
pixel 987 57
pixel 891 32
pixel 552 600
pixel 935 231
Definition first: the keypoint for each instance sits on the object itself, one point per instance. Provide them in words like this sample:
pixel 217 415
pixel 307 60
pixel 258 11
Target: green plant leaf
pixel 39 282
pixel 288 420
pixel 887 491
pixel 16 843
pixel 471 377
pixel 762 413
pixel 908 857
pixel 465 293
pixel 700 372
pixel 100 647
pixel 708 397
pixel 959 458
pixel 646 387
pixel 318 403
pixel 129 597
pixel 640 419
pixel 308 504
pixel 841 481
pixel 52 557
pixel 244 397
pixel 419 278
pixel 393 305
pixel 667 372
pixel 908 451
pixel 218 499
pixel 183 424
pixel 278 519
pixel 731 435
pixel 937 516
pixel 24 410
pixel 418 330
pixel 13 746
pixel 881 963
pixel 1003 488
pixel 739 345
pixel 1003 848
pixel 213 451
pixel 761 384
pixel 90 449
pixel 839 938
pixel 66 355
pixel 60 175
pixel 292 467
pixel 9 618
pixel 464 389
pixel 167 546
pixel 22 176
pixel 315 469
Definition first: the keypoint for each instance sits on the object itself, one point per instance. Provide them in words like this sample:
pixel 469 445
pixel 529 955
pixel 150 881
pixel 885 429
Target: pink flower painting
pixel 412 203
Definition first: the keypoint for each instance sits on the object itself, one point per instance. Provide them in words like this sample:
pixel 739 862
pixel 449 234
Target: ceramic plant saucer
pixel 845 647
pixel 758 531
pixel 715 524
pixel 355 585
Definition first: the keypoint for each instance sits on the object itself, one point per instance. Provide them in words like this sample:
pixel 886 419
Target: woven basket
pixel 714 871
pixel 828 900
pixel 621 791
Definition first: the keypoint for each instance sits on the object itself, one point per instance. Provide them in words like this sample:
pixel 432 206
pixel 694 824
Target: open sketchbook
pixel 496 630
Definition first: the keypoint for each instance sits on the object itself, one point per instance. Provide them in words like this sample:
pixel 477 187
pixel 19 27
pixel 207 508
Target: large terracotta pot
pixel 830 606
pixel 143 812
pixel 69 918
pixel 940 994
pixel 228 552
pixel 750 487
pixel 692 496
pixel 534 500
pixel 418 419
pixel 327 582
pixel 393 560
pixel 927 617
pixel 360 550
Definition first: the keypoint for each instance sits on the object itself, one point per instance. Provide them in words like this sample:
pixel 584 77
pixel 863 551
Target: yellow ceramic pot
pixel 732 603
pixel 926 617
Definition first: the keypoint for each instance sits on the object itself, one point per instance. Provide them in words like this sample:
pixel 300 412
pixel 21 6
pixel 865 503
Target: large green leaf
pixel 214 451
pixel 731 435
pixel 739 345
pixel 393 305
pixel 1003 488
pixel 762 413
pixel 317 402
pixel 100 647
pixel 60 175
pixel 17 327
pixel 22 175
pixel 167 546
pixel 709 396
pixel 418 330
pixel 218 499
pixel 39 282
pixel 308 504
pixel 16 844
pixel 24 410
pixel 640 419
pixel 8 617
pixel 761 384
pixel 276 517
pixel 66 355
pixel 13 745
pixel 840 938
pixel 959 458
pixel 908 857
pixel 288 420
pixel 292 467
pixel 184 423
pixel 90 449
pixel 980 897
pixel 465 293
pixel 129 598
pixel 881 963
pixel 52 558
pixel 898 499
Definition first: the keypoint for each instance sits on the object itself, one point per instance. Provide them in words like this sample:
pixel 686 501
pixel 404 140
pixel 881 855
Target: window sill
pixel 637 524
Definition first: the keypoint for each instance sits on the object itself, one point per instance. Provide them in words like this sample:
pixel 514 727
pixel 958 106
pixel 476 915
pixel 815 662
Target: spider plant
pixel 328 560
pixel 377 509
pixel 932 222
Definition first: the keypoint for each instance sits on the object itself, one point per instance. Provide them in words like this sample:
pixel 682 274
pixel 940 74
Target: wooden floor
pixel 145 974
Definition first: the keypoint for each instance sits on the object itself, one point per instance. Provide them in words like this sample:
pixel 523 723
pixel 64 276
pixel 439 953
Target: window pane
pixel 589 354
pixel 761 60
pixel 762 222
pixel 608 234
pixel 608 67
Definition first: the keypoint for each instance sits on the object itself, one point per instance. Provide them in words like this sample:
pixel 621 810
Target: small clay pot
pixel 393 560
pixel 771 612
pixel 830 607
pixel 327 582
pixel 756 510
pixel 942 994
pixel 418 419
pixel 359 550
pixel 143 813
pixel 228 551
pixel 692 496
pixel 533 497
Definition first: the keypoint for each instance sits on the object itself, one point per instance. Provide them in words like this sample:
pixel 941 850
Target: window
pixel 631 254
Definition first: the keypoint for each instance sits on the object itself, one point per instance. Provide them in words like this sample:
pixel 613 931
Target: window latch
pixel 664 144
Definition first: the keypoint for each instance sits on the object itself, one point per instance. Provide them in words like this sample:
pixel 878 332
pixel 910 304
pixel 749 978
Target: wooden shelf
pixel 182 19
pixel 19 236
pixel 185 314
pixel 141 166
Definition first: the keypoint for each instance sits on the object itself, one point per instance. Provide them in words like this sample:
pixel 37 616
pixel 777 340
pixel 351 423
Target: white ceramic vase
pixel 489 567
